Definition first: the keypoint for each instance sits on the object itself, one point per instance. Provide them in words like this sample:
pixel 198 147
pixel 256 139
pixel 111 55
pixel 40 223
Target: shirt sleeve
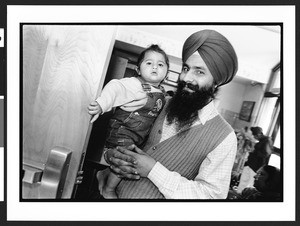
pixel 119 92
pixel 212 181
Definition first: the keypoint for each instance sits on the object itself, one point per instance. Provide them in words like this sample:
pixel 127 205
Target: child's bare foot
pixel 109 194
pixel 102 176
pixel 106 192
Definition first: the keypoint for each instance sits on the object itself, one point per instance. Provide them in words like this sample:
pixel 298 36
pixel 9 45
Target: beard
pixel 184 106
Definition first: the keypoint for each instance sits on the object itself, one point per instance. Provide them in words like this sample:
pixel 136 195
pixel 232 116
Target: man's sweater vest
pixel 182 153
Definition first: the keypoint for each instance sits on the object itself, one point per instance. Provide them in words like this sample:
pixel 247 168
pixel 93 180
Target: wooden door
pixel 64 68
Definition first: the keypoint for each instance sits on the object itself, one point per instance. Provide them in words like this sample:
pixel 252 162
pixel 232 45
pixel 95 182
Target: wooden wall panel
pixel 63 70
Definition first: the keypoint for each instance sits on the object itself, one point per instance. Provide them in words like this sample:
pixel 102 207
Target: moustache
pixel 183 84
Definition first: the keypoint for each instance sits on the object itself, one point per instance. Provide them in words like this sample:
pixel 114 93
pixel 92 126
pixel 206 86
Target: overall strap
pixel 147 87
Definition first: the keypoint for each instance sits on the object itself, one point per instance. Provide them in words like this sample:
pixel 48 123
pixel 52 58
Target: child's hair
pixel 154 48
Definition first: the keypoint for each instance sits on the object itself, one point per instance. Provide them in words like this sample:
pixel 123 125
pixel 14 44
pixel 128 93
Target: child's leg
pixel 109 190
pixel 108 182
pixel 102 176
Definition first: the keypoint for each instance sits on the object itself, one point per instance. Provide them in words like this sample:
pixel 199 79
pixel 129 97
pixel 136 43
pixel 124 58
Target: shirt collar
pixel 207 112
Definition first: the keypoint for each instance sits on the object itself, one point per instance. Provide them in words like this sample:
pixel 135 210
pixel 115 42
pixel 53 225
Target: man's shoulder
pixel 266 139
pixel 210 114
pixel 220 121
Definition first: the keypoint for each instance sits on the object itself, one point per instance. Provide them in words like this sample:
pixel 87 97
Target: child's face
pixel 153 68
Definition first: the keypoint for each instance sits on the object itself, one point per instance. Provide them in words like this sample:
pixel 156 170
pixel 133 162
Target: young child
pixel 138 101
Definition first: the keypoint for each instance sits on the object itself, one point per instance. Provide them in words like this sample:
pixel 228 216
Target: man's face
pixel 196 73
pixel 195 90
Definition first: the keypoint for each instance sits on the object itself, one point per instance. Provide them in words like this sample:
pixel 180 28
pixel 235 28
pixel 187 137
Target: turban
pixel 217 53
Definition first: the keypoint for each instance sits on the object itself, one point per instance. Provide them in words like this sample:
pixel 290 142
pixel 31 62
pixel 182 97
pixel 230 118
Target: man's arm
pixel 212 182
pixel 213 179
pixel 269 146
pixel 265 148
pixel 122 164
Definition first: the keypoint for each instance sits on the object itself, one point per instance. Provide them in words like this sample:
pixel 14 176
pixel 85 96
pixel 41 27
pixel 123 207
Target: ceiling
pixel 257 47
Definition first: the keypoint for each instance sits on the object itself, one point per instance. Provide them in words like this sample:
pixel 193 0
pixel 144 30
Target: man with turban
pixel 191 149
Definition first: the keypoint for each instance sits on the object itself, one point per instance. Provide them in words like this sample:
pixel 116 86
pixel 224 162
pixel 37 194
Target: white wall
pixel 255 93
pixel 230 98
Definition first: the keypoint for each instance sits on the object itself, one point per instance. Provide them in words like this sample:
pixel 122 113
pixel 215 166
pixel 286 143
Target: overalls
pixel 126 128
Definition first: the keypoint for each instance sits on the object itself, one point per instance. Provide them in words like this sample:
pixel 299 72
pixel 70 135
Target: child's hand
pixel 95 110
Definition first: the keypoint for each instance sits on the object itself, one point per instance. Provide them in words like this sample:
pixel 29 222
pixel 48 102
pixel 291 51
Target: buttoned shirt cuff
pixel 158 175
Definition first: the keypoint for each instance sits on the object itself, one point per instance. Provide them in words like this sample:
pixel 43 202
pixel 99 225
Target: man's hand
pixel 143 162
pixel 122 164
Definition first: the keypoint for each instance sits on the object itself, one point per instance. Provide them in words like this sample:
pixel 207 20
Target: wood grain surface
pixel 63 70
